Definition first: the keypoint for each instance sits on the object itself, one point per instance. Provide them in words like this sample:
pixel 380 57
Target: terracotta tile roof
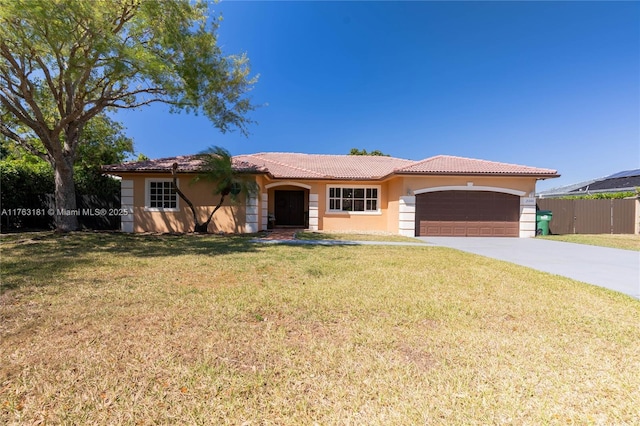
pixel 447 164
pixel 286 165
pixel 317 166
pixel 186 163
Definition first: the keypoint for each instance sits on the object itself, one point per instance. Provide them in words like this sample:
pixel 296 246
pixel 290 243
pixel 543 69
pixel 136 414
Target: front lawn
pixel 354 236
pixel 125 329
pixel 619 241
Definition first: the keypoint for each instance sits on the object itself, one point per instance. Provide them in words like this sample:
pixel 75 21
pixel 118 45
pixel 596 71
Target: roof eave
pixel 532 175
pixel 329 178
pixel 141 171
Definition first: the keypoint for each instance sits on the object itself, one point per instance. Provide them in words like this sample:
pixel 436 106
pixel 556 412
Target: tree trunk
pixel 66 218
pixel 201 228
pixel 205 225
pixel 198 227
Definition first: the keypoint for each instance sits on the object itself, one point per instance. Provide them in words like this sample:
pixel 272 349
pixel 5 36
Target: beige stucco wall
pixel 353 221
pixel 416 183
pixel 232 217
pixel 387 219
pixel 229 218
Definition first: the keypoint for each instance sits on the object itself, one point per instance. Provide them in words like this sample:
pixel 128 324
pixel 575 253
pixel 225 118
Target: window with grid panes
pixel 353 199
pixel 162 195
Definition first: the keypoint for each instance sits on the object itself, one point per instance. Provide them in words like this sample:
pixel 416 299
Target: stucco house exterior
pixel 439 196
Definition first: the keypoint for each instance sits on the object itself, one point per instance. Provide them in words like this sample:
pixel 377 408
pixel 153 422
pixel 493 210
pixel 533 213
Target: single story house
pixel 439 196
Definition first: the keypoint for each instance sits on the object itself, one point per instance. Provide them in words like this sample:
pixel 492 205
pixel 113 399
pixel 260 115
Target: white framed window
pixel 353 199
pixel 160 195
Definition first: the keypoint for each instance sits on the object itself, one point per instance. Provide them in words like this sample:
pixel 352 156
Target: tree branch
pixel 52 86
pixel 23 142
pixel 16 108
pixel 26 89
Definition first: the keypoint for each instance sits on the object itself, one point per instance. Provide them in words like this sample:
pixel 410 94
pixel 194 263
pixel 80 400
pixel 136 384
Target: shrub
pixel 30 185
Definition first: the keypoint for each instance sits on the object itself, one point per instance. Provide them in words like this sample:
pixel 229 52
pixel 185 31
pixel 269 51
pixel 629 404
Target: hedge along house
pixel 438 196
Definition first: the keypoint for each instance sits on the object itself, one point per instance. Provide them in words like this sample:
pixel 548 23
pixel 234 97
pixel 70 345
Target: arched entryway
pixel 288 204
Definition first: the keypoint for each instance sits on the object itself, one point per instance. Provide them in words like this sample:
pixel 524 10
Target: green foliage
pixel 218 168
pixel 4 151
pixel 356 151
pixel 103 142
pixel 28 183
pixel 21 178
pixel 24 186
pixel 603 196
pixel 64 62
pixel 93 182
pixel 27 180
pixel 117 54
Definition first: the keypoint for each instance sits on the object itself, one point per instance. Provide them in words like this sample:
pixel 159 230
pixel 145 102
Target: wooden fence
pixel 590 216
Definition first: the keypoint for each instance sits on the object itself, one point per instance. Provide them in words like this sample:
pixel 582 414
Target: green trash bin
pixel 543 217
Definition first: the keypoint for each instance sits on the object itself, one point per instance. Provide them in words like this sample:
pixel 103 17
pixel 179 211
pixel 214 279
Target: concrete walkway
pixel 615 269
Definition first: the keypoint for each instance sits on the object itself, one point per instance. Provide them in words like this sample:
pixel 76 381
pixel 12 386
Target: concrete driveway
pixel 614 269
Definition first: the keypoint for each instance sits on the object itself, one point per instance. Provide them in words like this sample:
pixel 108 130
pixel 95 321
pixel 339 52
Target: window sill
pixel 348 213
pixel 159 209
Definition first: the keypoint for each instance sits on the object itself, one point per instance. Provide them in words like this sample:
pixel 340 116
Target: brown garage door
pixel 467 214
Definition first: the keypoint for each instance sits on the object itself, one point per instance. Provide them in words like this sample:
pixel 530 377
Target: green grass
pixel 619 241
pixel 125 329
pixel 354 236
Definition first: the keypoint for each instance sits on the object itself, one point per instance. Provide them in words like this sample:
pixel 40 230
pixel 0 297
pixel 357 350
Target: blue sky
pixel 547 84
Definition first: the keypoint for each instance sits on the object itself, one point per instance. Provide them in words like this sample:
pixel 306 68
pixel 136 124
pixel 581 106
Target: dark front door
pixel 289 208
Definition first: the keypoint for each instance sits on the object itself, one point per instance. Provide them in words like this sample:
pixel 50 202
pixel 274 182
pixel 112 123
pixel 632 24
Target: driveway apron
pixel 615 269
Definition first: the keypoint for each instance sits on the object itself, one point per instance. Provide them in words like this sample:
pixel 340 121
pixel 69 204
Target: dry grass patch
pixel 111 329
pixel 619 241
pixel 355 236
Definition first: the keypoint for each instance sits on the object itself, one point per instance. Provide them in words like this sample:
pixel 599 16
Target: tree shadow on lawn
pixel 34 256
pixel 37 259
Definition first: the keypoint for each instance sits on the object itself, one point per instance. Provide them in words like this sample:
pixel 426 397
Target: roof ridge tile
pixel 288 165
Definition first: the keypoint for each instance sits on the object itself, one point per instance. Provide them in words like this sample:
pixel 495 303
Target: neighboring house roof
pixel 624 181
pixel 283 165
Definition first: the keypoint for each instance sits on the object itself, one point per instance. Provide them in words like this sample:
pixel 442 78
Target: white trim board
pixel 471 188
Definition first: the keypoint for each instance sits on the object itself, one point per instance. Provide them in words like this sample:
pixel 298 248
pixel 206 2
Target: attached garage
pixel 441 195
pixel 467 214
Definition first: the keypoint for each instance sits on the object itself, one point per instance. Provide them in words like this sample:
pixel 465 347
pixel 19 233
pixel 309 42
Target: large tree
pixel 26 179
pixel 62 62
pixel 104 141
